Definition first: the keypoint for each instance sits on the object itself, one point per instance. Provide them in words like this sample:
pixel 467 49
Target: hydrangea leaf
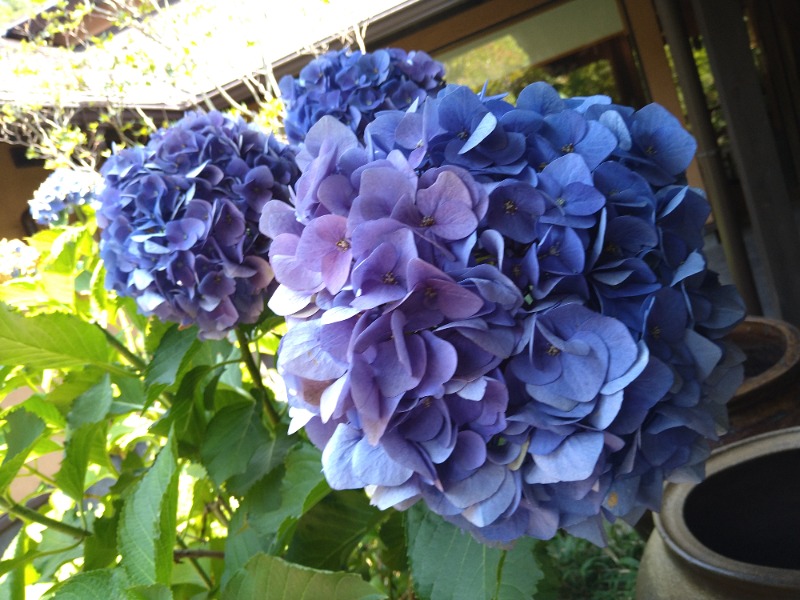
pixel 272 578
pixel 101 584
pixel 147 522
pixel 301 488
pixel 168 358
pixel 232 438
pixel 329 532
pixel 449 564
pixel 50 341
pixel 92 405
pixel 22 431
pixel 71 477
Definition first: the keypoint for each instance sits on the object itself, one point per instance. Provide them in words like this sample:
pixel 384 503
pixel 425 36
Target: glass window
pixel 579 46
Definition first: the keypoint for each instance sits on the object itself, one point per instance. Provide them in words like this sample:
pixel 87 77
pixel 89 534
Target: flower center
pixel 389 278
pixel 427 221
pixel 567 148
pixel 553 351
pixel 561 201
pixel 510 207
pixel 655 332
pixel 343 245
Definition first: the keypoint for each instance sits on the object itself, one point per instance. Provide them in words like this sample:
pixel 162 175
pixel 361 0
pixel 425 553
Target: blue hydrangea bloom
pixel 353 86
pixel 503 311
pixel 180 216
pixel 62 193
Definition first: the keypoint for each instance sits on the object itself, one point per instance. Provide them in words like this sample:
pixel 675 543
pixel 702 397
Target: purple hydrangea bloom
pixel 180 219
pixel 352 87
pixel 503 311
pixel 62 193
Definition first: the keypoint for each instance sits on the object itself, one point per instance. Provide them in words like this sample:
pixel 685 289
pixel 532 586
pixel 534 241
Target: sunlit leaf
pixel 50 341
pixel 92 405
pixel 147 526
pixel 103 584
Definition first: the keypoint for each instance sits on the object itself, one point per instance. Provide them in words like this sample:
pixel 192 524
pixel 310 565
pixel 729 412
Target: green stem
pixel 192 556
pixel 33 471
pixel 255 374
pixel 136 361
pixel 26 514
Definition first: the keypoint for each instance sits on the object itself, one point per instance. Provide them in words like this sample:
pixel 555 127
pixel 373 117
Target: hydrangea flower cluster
pixel 352 86
pixel 17 259
pixel 504 310
pixel 62 192
pixel 179 220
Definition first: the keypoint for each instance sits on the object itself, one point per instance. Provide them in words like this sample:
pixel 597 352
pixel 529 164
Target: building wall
pixel 17 185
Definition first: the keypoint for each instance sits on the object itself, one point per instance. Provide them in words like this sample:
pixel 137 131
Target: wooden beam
pixel 754 149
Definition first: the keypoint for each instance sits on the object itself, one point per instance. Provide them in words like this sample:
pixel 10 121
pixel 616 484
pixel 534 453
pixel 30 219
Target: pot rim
pixel 790 359
pixel 681 541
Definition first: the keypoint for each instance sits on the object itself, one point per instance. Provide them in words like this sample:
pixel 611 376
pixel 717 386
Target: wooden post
pixel 708 157
pixel 754 149
pixel 642 21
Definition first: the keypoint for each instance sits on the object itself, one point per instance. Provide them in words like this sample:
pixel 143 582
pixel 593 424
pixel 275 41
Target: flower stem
pixel 255 374
pixel 136 361
pixel 26 514
pixel 192 556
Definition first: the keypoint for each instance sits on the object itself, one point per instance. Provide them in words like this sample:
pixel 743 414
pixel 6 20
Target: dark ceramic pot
pixel 734 536
pixel 769 397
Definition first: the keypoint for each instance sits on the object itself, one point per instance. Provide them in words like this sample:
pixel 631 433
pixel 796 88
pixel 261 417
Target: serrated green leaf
pixel 232 438
pixel 327 534
pixel 520 574
pixel 131 395
pixel 73 385
pixel 92 405
pixel 270 453
pixel 103 584
pixel 186 415
pixel 144 539
pixel 449 564
pixel 71 477
pixel 50 341
pixel 242 543
pixel 23 293
pixel 175 348
pixel 301 487
pixel 100 548
pixel 60 288
pixel 45 410
pixel 393 536
pixel 270 578
pixel 99 294
pixel 157 591
pixel 22 432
